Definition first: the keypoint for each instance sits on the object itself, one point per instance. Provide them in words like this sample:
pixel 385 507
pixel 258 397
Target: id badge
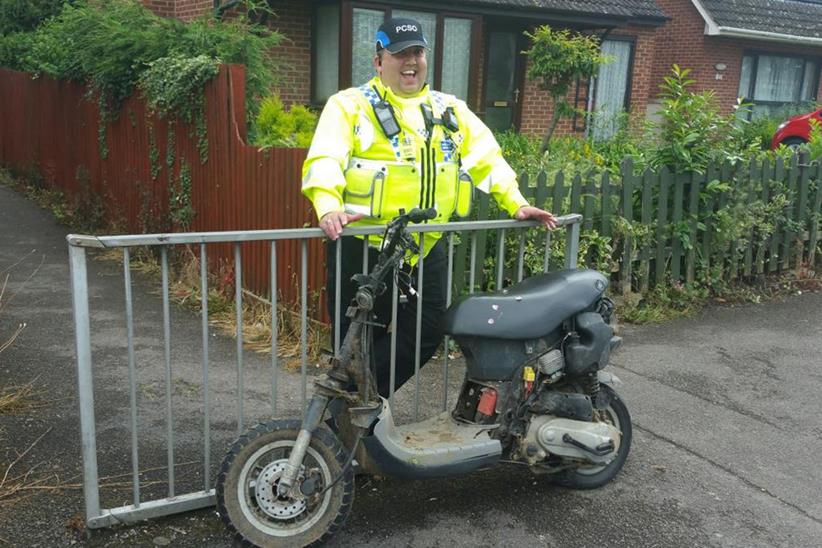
pixel 407 147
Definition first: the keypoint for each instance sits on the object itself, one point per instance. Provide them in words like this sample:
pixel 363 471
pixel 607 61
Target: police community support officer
pixel 394 144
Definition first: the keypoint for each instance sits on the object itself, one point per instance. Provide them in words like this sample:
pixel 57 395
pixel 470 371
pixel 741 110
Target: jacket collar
pixel 391 97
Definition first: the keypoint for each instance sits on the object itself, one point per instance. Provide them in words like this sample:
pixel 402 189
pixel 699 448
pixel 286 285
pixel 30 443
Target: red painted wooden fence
pixel 51 127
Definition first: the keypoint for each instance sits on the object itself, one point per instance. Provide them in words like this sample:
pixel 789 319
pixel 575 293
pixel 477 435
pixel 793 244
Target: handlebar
pixel 395 232
pixel 418 215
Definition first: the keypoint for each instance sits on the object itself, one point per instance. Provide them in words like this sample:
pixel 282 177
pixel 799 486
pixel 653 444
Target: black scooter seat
pixel 528 310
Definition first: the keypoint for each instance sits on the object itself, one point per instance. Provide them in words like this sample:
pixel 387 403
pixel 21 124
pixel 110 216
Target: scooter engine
pixel 592 442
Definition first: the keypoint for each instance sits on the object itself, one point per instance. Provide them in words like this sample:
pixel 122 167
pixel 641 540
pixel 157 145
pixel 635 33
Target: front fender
pixel 608 378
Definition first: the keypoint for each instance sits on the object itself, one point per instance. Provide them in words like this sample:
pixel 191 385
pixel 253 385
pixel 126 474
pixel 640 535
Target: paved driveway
pixel 726 414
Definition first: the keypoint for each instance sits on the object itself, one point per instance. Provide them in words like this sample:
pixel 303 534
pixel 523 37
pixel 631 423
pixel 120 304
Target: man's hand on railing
pixel 333 222
pixel 537 214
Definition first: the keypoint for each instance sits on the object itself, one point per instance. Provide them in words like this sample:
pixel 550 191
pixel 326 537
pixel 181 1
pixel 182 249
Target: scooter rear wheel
pixel 592 477
pixel 247 488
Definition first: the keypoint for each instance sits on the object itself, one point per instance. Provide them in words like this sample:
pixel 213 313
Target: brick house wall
pixel 685 43
pixel 165 8
pixel 293 21
pixel 185 10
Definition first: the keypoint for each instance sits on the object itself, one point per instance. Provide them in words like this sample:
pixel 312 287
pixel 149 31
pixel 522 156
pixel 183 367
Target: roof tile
pixel 801 18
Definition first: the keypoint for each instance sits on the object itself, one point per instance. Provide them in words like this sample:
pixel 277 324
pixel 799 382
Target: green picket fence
pixel 656 227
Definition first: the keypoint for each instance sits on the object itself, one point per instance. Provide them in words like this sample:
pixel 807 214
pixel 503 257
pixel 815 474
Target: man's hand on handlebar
pixel 333 222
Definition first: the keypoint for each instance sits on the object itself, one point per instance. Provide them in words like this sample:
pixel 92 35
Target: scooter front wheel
pixel 247 487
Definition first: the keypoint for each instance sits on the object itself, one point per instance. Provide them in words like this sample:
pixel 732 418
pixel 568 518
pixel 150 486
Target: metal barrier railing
pixel 173 503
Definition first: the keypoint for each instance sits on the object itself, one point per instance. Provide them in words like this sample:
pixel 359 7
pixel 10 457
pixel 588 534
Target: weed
pixel 664 302
pixel 14 399
pixel 256 312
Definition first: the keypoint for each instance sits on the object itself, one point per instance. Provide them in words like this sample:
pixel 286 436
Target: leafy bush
pixel 237 41
pixel 567 154
pixel 814 145
pixel 174 85
pixel 688 130
pixel 110 43
pixel 26 15
pixel 760 131
pixel 277 127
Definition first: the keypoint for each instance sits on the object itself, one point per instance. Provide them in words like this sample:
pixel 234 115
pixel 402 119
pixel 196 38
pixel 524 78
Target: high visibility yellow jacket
pixel 353 166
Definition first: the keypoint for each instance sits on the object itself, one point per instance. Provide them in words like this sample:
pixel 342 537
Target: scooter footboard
pixel 436 447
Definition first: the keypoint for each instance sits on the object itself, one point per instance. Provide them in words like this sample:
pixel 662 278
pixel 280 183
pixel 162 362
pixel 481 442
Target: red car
pixel 796 130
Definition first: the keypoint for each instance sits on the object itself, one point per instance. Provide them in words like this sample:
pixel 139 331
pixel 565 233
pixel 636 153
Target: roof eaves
pixel 711 28
pixel 732 32
pixel 649 20
pixel 539 13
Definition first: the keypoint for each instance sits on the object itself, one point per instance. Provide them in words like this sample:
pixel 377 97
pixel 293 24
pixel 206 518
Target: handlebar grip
pixel 418 215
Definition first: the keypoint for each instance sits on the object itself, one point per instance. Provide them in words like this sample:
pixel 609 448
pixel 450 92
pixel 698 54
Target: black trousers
pixel 435 277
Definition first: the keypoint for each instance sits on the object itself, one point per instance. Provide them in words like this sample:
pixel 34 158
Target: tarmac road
pixel 725 410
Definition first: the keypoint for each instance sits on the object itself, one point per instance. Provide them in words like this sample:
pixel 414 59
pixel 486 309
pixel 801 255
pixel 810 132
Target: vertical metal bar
pixel 337 296
pixel 167 356
pixel 393 363
pixel 85 387
pixel 500 257
pixel 546 261
pixel 365 255
pixel 449 282
pixel 521 255
pixel 275 328
pixel 571 246
pixel 238 312
pixel 472 272
pixel 418 339
pixel 304 321
pixel 132 380
pixel 206 388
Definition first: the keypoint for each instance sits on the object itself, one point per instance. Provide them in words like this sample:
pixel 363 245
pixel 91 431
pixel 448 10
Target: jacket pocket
pixel 364 191
pixel 465 195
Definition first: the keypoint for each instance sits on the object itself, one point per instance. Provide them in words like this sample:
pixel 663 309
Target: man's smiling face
pixel 404 72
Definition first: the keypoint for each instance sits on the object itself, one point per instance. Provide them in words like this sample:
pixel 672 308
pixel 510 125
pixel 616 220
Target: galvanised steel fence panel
pixel 173 502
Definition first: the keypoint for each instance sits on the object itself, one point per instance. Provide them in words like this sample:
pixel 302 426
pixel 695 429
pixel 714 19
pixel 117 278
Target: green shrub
pixel 235 41
pixel 520 151
pixel 110 43
pixel 760 131
pixel 693 132
pixel 814 145
pixel 174 85
pixel 277 127
pixel 26 15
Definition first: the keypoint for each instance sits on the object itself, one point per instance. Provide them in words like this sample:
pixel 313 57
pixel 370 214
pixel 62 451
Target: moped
pixel 534 394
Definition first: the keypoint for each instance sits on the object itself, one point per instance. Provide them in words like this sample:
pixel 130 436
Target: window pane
pixel 611 88
pixel 327 51
pixel 809 81
pixel 456 56
pixel 745 77
pixel 429 30
pixel 778 78
pixel 364 29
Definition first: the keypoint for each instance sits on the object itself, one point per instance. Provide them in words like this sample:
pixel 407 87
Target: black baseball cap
pixel 400 33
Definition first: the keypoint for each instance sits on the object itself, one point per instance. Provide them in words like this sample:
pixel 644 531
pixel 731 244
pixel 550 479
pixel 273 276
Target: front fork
pixel 334 384
pixel 313 417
